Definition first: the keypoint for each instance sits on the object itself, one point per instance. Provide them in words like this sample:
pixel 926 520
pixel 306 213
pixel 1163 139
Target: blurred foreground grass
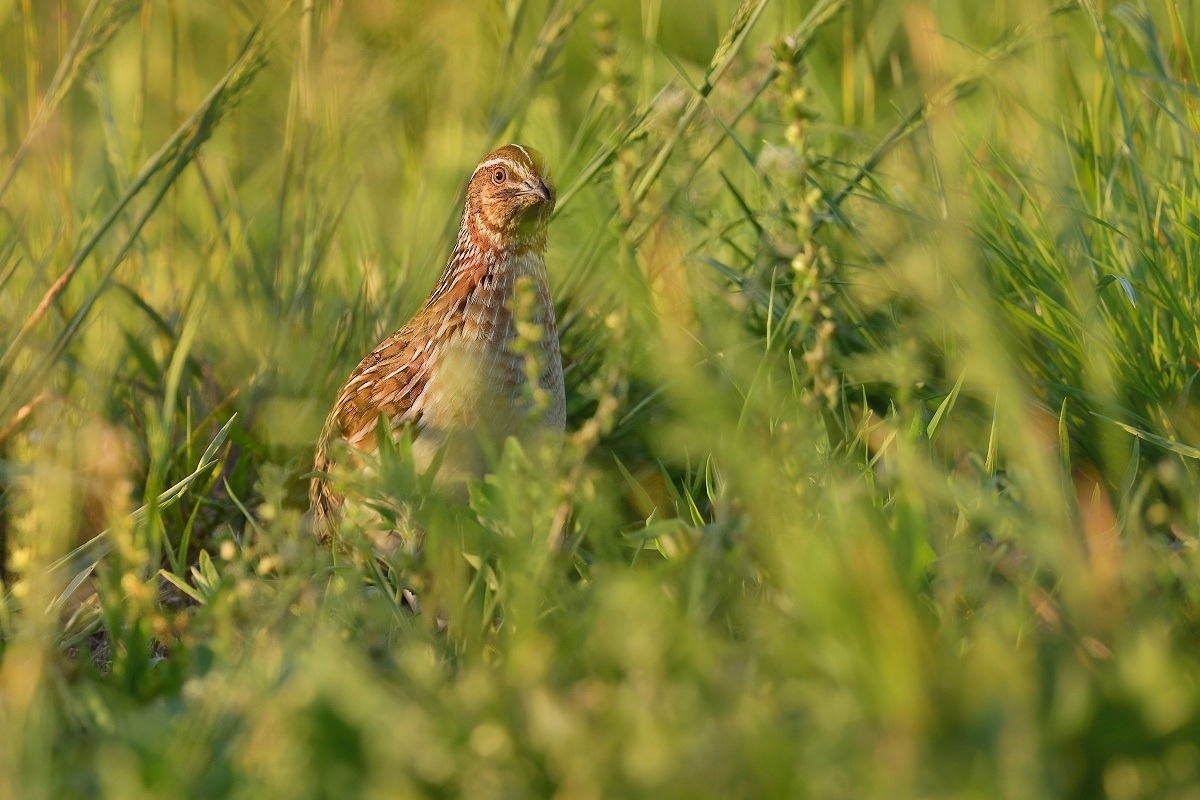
pixel 881 327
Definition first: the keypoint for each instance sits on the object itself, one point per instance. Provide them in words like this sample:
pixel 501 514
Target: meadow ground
pixel 881 329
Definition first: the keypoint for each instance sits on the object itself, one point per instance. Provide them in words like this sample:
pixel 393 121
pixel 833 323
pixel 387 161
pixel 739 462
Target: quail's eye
pixel 499 176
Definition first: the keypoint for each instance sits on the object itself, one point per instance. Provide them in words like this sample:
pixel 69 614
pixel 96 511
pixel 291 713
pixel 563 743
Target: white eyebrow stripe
pixel 491 162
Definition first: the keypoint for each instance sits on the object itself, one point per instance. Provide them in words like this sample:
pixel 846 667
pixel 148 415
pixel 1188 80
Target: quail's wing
pixel 388 382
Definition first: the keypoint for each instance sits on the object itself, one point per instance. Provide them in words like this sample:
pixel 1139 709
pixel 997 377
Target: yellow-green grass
pixel 882 328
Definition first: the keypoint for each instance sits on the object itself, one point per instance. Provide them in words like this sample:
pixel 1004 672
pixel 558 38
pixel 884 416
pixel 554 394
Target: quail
pixel 458 372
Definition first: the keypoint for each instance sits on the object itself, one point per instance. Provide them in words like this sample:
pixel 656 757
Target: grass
pixel 881 333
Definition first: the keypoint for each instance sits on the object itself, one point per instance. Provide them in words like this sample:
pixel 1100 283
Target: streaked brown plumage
pixel 451 373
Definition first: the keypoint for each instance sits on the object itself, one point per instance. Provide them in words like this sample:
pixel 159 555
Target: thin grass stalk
pixel 732 43
pixel 953 91
pixel 177 151
pixel 86 556
pixel 817 18
pixel 85 44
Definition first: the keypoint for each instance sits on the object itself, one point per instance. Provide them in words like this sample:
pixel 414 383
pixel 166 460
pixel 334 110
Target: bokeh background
pixel 881 334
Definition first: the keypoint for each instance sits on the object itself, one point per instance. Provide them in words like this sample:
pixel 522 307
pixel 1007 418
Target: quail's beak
pixel 536 187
